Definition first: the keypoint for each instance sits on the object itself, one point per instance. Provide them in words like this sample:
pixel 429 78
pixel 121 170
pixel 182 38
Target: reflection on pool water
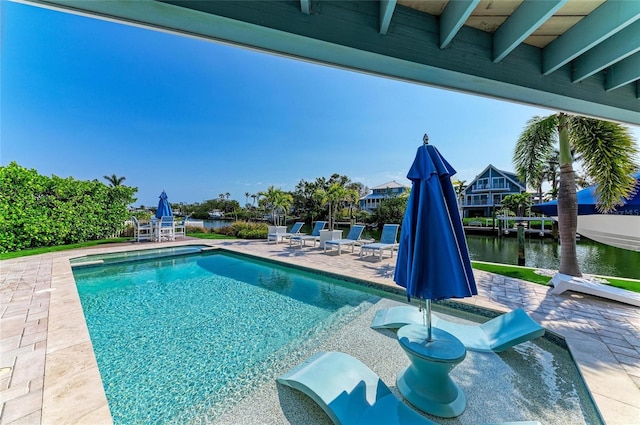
pixel 182 339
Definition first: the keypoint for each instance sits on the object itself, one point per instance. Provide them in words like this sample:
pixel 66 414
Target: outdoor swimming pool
pixel 182 339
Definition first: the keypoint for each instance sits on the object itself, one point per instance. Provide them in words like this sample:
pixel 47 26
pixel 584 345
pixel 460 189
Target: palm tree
pixel 276 200
pixel 246 199
pixel 606 153
pixel 517 202
pixel 459 186
pixel 254 196
pixel 332 196
pixel 551 170
pixel 582 181
pixel 114 180
pixel 355 192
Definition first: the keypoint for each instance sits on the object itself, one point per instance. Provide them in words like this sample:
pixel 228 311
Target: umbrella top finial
pixel 425 139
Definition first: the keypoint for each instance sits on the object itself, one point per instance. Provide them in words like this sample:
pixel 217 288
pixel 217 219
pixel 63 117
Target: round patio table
pixel 426 383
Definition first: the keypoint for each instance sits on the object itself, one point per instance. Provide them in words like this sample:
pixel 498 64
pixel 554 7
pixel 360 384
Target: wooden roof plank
pixel 522 23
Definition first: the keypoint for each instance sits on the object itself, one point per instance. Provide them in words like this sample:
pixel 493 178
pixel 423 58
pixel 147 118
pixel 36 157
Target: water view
pixel 214 224
pixel 593 257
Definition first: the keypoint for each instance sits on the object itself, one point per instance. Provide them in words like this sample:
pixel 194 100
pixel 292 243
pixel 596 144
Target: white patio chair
pixel 180 229
pixel 142 232
pixel 166 230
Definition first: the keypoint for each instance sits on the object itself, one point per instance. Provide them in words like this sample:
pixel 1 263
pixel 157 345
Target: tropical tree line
pixel 334 198
pixel 38 211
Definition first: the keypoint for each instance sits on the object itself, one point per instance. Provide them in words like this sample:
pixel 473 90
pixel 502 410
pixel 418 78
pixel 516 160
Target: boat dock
pixel 486 226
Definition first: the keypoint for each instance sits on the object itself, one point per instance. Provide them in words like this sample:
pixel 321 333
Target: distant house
pixel 378 193
pixel 484 194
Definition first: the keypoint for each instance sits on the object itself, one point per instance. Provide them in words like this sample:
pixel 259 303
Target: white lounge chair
pixel 280 233
pixel 301 240
pixel 349 392
pixel 497 334
pixel 142 232
pixel 562 282
pixel 351 240
pixel 388 241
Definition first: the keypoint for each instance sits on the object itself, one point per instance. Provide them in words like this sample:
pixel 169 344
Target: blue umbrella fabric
pixel 433 259
pixel 587 203
pixel 164 209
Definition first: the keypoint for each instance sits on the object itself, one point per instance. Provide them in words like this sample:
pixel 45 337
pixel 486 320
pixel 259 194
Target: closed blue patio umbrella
pixel 164 209
pixel 433 259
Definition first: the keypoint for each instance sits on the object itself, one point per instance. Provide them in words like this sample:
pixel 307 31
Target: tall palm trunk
pixel 567 204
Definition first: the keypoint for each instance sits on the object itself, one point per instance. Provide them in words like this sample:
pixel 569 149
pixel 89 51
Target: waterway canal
pixel 593 257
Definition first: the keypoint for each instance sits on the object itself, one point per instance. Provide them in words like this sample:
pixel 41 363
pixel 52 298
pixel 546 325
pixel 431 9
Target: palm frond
pixel 607 154
pixel 534 145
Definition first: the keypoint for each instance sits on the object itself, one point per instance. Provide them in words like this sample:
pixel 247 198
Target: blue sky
pixel 87 98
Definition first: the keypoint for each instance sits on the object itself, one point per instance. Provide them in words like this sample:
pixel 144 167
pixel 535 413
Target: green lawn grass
pixel 523 273
pixel 44 250
pixel 628 284
pixel 528 274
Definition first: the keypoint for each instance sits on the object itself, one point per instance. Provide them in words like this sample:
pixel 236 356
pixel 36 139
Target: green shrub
pixel 226 230
pixel 39 211
pixel 244 230
pixel 548 224
pixel 252 234
pixel 195 229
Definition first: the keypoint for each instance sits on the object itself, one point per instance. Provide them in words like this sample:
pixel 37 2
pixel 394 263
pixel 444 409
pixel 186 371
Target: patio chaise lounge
pixel 351 393
pixel 352 239
pixel 388 241
pixel 301 240
pixel 562 282
pixel 279 233
pixel 497 334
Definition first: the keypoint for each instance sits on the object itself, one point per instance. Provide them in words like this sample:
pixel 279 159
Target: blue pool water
pixel 175 337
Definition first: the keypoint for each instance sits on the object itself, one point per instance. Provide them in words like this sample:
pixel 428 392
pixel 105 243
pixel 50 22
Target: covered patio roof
pixel 578 56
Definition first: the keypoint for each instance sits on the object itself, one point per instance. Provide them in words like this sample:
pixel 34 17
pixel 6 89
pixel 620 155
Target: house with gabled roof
pixel 387 190
pixel 484 194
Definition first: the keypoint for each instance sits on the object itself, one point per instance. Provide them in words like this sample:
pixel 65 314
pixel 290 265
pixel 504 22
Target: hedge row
pixel 38 211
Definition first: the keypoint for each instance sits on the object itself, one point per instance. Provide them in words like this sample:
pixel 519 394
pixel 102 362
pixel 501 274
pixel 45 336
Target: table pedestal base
pixel 426 383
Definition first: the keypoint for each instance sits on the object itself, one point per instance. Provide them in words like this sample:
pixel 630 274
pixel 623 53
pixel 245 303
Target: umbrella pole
pixel 428 316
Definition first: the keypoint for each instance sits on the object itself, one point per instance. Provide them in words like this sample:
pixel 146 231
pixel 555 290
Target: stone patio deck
pixel 49 375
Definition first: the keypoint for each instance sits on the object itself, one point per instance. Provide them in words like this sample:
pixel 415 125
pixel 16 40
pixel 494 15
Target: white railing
pixel 193 223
